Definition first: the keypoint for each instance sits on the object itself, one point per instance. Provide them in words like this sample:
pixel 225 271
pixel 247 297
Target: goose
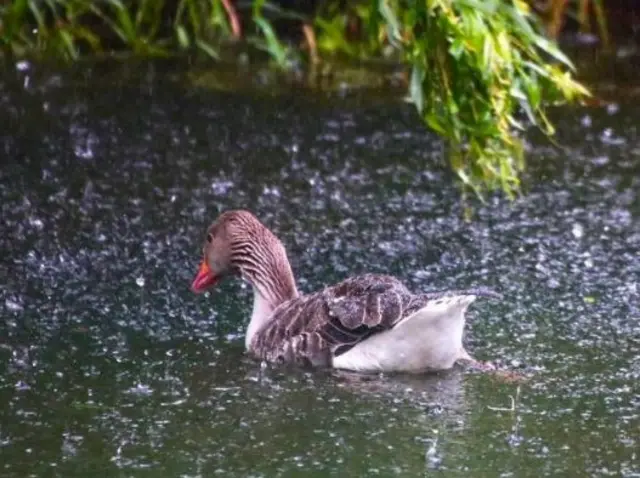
pixel 366 323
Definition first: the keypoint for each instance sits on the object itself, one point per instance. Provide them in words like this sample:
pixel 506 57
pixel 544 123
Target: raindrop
pixel 13 305
pixel 608 137
pixel 577 230
pixel 84 150
pixel 221 187
pixel 541 268
pixel 514 440
pixel 586 121
pixel 587 38
pixel 140 281
pixel 140 389
pixel 612 108
pixel 273 191
pixel 553 283
pixel 432 456
pixel 20 385
pixel 22 66
pixel 35 222
pixel 88 191
pixel 625 51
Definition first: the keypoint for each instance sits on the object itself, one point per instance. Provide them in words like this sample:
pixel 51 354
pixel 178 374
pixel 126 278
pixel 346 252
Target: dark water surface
pixel 110 365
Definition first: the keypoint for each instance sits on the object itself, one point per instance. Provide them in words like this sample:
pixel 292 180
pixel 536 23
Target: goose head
pixel 237 243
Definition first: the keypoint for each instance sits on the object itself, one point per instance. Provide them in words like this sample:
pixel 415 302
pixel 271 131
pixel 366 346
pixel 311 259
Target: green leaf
pixel 457 48
pixel 487 7
pixel 554 51
pixel 541 71
pixel 183 37
pixel 68 41
pixel 393 25
pixel 37 14
pixel 274 47
pixel 12 20
pixel 53 10
pixel 114 27
pixel 208 49
pixel 87 35
pixel 124 21
pixel 416 87
pixel 434 123
pixel 534 94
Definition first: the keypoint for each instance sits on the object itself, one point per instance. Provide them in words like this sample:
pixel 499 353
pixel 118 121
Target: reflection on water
pixel 109 364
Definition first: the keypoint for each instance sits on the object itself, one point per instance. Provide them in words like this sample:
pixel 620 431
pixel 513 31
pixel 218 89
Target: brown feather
pixel 314 327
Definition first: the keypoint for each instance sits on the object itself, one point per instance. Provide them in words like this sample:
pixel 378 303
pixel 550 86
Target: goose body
pixel 367 323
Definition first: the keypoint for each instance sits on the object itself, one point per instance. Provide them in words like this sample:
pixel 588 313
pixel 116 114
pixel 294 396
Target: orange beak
pixel 204 278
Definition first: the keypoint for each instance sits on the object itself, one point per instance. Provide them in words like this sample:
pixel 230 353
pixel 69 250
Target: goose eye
pixel 209 238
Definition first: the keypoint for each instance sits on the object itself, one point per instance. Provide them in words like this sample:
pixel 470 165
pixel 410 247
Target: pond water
pixel 109 364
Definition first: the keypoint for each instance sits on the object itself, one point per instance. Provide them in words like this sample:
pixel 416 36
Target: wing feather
pixel 311 328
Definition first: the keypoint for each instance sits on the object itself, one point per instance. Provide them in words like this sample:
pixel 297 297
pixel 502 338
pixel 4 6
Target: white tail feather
pixel 429 339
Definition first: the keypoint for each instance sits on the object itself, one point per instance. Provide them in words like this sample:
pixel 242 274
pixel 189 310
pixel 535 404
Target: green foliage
pixel 49 26
pixel 200 24
pixel 477 68
pixel 65 28
pixel 271 44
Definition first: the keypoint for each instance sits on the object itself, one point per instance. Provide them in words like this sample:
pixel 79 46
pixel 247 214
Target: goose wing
pixel 312 328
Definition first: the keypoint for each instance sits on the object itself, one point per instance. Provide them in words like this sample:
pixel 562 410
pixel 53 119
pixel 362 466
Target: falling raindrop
pixel 13 305
pixel 22 66
pixel 577 230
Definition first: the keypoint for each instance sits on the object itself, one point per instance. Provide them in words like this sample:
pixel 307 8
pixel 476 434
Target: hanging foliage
pixel 479 71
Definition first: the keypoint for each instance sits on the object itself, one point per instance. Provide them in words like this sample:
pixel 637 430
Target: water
pixel 110 365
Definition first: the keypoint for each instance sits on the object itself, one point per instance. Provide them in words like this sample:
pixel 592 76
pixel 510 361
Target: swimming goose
pixel 368 323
